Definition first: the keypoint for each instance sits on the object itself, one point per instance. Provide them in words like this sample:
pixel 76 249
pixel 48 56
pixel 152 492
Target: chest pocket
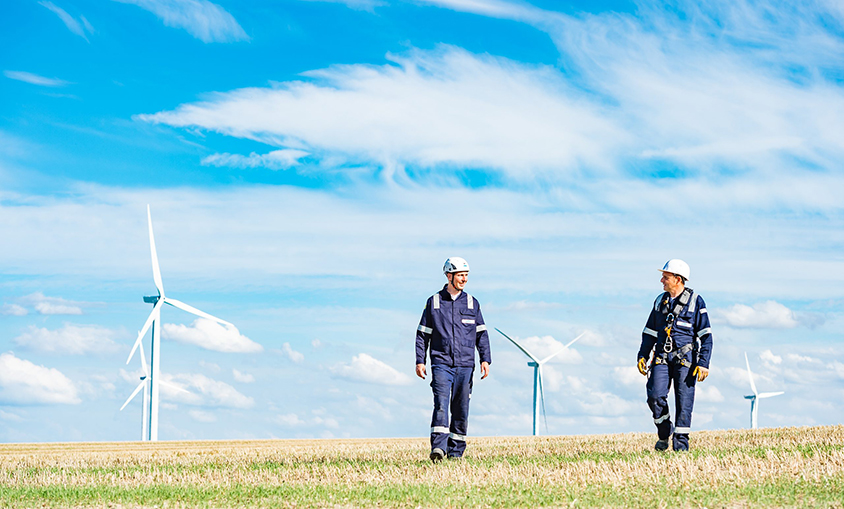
pixel 468 323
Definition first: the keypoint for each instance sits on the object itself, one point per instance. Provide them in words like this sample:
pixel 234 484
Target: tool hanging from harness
pixel 668 352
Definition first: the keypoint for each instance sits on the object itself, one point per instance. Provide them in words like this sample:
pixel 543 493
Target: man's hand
pixel 484 370
pixel 420 371
pixel 701 373
pixel 643 369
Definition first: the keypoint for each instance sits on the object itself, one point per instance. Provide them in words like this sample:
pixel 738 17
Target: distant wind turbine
pixel 144 386
pixel 754 405
pixel 153 323
pixel 538 391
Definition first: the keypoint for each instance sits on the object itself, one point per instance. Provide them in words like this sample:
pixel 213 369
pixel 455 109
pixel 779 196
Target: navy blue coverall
pixel 692 347
pixel 452 329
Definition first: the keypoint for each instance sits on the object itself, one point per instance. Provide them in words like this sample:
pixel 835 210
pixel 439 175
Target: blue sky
pixel 310 165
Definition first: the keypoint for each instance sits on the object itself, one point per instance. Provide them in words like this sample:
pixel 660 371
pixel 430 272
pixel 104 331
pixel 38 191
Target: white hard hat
pixel 455 264
pixel 678 267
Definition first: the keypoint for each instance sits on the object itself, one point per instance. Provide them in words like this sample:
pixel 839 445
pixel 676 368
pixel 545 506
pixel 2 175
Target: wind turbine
pixel 144 385
pixel 153 324
pixel 754 405
pixel 538 391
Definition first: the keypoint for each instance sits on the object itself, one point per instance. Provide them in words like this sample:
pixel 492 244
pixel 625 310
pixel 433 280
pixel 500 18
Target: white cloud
pixel 245 378
pixel 70 22
pixel 205 392
pixel 708 394
pixel 763 315
pixel 292 354
pixel 9 416
pixel 13 310
pixel 70 339
pixel 275 160
pixel 768 356
pixel 518 11
pixel 202 416
pixel 34 79
pixel 316 344
pixel 544 346
pixel 629 375
pixel 289 420
pixel 202 19
pixel 364 368
pixel 52 305
pixel 429 108
pixel 25 383
pixel 210 366
pixel 361 5
pixel 211 335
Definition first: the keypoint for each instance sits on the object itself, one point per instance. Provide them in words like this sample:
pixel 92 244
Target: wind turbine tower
pixel 153 324
pixel 754 404
pixel 538 391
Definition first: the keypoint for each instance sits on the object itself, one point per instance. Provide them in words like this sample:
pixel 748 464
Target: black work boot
pixel 437 455
pixel 661 445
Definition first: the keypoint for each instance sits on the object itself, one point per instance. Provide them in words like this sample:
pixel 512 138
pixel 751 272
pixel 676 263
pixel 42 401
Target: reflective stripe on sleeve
pixel 649 332
pixel 436 301
pixel 682 431
pixel 661 419
pixel 458 438
pixel 704 332
pixel 480 328
pixel 439 429
pixel 703 311
pixel 426 330
pixel 470 302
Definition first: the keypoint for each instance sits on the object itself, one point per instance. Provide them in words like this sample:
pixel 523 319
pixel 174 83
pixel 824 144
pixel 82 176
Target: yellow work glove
pixel 700 373
pixel 643 369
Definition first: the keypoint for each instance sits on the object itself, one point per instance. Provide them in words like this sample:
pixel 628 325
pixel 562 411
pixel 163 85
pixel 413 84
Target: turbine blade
pixel 520 347
pixel 144 330
pixel 750 375
pixel 542 398
pixel 561 350
pixel 770 394
pixel 144 361
pixel 134 393
pixel 173 386
pixel 156 270
pixel 190 309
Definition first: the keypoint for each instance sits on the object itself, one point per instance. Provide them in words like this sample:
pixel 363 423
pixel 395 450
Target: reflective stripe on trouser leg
pixel 461 390
pixel 658 385
pixel 441 377
pixel 684 400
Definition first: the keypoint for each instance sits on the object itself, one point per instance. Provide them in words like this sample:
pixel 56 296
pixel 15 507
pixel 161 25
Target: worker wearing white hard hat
pixel 679 335
pixel 452 328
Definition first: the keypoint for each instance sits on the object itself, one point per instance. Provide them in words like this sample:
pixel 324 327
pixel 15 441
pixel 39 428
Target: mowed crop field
pixel 790 467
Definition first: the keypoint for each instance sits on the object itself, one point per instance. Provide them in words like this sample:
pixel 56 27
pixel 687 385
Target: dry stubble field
pixel 785 467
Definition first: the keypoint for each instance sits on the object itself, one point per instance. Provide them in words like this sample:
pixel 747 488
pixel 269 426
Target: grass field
pixel 791 467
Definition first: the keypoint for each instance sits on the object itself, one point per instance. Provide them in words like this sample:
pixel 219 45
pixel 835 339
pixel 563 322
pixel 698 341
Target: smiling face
pixel 672 283
pixel 458 280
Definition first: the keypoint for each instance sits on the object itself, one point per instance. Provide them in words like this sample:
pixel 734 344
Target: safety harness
pixel 668 352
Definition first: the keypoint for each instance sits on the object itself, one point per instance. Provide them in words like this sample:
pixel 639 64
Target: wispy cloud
pixel 292 354
pixel 34 79
pixel 70 22
pixel 244 378
pixel 360 5
pixel 13 310
pixel 211 335
pixel 202 19
pixel 365 368
pixel 70 339
pixel 763 315
pixel 25 383
pixel 275 160
pixel 429 108
pixel 51 305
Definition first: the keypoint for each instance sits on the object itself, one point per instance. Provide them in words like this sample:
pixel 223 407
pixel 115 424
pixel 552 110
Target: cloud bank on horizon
pixel 309 191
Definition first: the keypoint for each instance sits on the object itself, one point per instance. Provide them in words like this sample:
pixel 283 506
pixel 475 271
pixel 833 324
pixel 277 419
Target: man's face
pixel 671 282
pixel 458 279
